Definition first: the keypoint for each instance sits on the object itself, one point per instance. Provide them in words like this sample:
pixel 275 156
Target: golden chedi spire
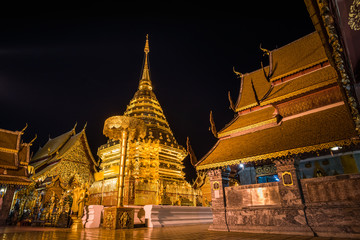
pixel 145 82
pixel 145 106
pixel 153 164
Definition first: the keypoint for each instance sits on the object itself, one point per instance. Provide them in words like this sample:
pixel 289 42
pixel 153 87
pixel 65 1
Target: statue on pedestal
pixel 77 208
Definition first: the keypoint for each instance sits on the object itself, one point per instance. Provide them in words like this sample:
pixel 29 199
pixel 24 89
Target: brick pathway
pixel 196 232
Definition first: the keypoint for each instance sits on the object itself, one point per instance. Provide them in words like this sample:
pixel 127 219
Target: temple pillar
pixel 218 200
pixel 289 186
pixel 291 198
pixel 6 204
pixel 129 194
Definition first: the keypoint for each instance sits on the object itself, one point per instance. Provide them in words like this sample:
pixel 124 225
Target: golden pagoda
pixel 153 168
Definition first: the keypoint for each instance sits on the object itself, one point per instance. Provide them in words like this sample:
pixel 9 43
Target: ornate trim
pixel 340 65
pixel 288 179
pixel 9 166
pixel 12 182
pixel 226 133
pixel 306 149
pixel 354 15
pixel 8 150
pixel 301 91
pixel 216 185
pixel 292 94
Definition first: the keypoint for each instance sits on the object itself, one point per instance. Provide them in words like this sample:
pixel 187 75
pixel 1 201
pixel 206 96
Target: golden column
pixel 124 129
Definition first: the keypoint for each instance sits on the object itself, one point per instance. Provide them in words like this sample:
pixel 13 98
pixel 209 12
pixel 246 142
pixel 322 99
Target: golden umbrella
pixel 123 128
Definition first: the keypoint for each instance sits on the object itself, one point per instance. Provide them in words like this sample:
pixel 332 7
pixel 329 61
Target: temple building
pixel 62 164
pixel 289 160
pixel 154 169
pixel 67 156
pixel 14 169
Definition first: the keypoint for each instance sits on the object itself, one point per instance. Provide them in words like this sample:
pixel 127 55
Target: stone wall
pixel 259 208
pixel 332 205
pixel 323 206
pixel 218 201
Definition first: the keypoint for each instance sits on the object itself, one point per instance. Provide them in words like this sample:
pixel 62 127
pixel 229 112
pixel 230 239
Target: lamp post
pixel 124 129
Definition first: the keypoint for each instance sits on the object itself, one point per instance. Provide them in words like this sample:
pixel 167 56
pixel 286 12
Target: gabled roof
pixel 52 146
pixel 62 149
pixel 289 61
pixel 14 180
pixel 297 55
pixel 318 78
pixel 9 139
pixel 12 153
pixel 293 135
pixel 249 120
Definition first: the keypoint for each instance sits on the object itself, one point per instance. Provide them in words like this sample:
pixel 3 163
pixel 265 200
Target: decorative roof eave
pixel 40 174
pixel 88 149
pixel 18 133
pixel 243 130
pixel 8 150
pixel 287 96
pixel 301 150
pixel 15 180
pixel 240 91
pixel 9 166
pixel 206 155
pixel 49 155
pixel 225 132
pixel 324 24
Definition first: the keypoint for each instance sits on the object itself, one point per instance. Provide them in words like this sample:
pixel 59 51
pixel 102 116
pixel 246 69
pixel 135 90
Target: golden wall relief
pixel 75 163
pixel 67 170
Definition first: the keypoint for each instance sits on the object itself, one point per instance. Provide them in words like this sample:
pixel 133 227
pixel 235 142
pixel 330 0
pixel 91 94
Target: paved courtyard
pixel 182 232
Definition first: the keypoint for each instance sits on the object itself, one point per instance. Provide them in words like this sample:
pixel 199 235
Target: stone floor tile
pixel 191 232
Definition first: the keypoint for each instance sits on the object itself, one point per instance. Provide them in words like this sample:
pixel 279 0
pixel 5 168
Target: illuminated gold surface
pixel 280 154
pixel 114 127
pixel 124 129
pixel 153 168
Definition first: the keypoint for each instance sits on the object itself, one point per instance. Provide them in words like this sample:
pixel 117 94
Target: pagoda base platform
pixel 162 216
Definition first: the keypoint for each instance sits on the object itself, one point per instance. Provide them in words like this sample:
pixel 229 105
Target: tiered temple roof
pixel 65 156
pixel 14 158
pixel 299 109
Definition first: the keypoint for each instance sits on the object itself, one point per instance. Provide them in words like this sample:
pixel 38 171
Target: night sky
pixel 69 64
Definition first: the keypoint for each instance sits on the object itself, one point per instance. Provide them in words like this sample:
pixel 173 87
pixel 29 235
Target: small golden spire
pixel 145 82
pixel 147 48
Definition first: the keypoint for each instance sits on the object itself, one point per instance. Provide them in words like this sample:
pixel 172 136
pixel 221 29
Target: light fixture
pixel 241 165
pixel 336 148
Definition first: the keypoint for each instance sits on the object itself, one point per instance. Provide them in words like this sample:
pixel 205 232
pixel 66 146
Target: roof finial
pixel 145 82
pixel 147 48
